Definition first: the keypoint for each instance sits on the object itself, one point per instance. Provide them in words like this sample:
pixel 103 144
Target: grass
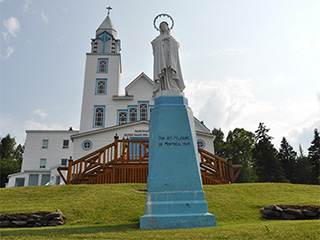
pixel 113 211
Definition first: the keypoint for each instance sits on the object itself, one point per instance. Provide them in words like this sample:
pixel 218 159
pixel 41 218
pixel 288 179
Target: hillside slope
pixel 119 206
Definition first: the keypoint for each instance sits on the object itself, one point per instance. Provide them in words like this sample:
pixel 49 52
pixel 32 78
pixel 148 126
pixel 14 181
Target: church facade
pixel 104 113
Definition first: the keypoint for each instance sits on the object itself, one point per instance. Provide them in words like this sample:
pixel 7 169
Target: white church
pixel 104 113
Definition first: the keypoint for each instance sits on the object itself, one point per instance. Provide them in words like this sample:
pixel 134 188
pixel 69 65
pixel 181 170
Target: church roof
pixel 137 79
pixel 108 26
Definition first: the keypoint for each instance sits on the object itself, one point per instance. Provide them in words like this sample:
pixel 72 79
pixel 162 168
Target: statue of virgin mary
pixel 167 73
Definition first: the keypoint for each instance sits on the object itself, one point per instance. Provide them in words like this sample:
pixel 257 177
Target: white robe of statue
pixel 167 73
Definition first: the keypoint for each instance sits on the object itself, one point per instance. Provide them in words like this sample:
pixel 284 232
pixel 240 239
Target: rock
pixel 297 213
pixel 54 223
pixel 36 217
pixel 309 213
pixel 273 208
pixel 287 216
pixel 51 215
pixel 271 213
pixel 19 223
pixel 2 217
pixel 5 224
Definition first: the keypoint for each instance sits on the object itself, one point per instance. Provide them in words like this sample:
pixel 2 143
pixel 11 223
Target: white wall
pixel 53 154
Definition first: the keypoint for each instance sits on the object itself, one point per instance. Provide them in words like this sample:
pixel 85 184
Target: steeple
pixel 106 40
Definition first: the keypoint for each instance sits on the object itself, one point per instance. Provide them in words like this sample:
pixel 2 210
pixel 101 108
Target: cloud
pixel 26 6
pixel 64 9
pixel 12 25
pixel 10 51
pixel 40 112
pixel 222 103
pixel 34 125
pixel 5 36
pixel 44 18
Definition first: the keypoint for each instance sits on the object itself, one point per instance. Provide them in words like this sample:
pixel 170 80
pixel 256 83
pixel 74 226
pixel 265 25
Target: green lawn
pixel 113 211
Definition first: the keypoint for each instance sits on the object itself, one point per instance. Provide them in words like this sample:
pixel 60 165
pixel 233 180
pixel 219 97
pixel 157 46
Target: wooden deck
pixel 126 161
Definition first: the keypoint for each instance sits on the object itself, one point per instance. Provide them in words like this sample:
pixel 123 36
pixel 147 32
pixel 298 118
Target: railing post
pixel 116 138
pixel 69 174
pixel 231 173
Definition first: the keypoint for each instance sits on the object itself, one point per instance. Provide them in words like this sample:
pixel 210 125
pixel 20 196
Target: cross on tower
pixel 109 8
pixel 104 38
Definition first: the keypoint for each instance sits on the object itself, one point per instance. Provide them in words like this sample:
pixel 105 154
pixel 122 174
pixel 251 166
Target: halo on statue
pixel 160 16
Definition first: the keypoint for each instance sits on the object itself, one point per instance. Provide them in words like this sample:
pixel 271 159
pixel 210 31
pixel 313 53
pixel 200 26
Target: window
pixel 65 144
pixel 86 144
pixel 133 116
pixel 64 162
pixel 43 162
pixel 45 179
pixel 98 116
pixel 122 116
pixel 101 87
pixel 58 179
pixel 143 111
pixel 45 143
pixel 19 182
pixel 201 143
pixel 102 65
pixel 33 179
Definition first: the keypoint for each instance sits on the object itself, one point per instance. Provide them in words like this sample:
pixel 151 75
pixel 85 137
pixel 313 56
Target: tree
pixel 314 157
pixel 219 143
pixel 239 145
pixel 10 158
pixel 265 160
pixel 302 169
pixel 287 157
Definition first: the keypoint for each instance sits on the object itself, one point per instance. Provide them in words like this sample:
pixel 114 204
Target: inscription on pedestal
pixel 174 141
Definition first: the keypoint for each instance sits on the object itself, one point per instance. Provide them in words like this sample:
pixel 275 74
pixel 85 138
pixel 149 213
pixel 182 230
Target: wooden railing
pixel 126 161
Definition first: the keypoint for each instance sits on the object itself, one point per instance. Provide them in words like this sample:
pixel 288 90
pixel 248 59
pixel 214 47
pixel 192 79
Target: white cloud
pixel 64 9
pixel 10 51
pixel 44 18
pixel 34 125
pixel 5 36
pixel 40 112
pixel 12 25
pixel 26 6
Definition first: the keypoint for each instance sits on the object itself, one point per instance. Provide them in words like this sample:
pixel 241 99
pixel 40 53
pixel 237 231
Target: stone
pixel 51 215
pixel 297 213
pixel 271 213
pixel 19 223
pixel 273 208
pixel 287 216
pixel 54 223
pixel 5 223
pixel 309 213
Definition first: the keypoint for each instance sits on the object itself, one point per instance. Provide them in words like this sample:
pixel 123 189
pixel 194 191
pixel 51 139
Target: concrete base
pixel 175 198
pixel 177 221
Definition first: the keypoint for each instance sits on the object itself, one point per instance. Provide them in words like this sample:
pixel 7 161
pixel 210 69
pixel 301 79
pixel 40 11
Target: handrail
pixel 134 152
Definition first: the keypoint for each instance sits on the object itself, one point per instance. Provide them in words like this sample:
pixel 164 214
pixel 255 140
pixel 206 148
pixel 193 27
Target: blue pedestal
pixel 175 198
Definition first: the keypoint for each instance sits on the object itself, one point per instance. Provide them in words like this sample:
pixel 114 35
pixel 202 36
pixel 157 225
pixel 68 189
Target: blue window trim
pixel 148 113
pixel 203 142
pixel 99 59
pixel 105 91
pixel 121 110
pixel 132 106
pixel 85 141
pixel 94 115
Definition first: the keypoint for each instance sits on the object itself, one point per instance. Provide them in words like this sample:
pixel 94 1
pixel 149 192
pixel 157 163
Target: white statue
pixel 167 73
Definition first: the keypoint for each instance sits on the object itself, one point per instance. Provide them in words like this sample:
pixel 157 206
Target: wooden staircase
pixel 126 161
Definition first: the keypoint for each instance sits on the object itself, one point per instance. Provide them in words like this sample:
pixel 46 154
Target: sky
pixel 243 61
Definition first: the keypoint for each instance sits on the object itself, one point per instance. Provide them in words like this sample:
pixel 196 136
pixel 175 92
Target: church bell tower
pixel 102 77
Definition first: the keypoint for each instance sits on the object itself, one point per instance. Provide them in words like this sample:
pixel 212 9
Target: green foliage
pixel 314 156
pixel 239 145
pixel 265 160
pixel 287 157
pixel 112 211
pixel 219 143
pixel 10 158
